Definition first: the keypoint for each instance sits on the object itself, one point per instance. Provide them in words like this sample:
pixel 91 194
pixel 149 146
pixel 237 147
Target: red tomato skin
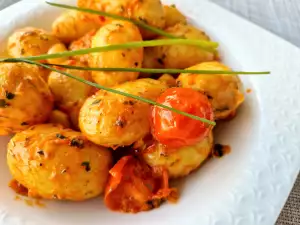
pixel 175 130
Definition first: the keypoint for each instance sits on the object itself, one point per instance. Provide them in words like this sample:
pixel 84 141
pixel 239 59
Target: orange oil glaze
pixel 21 190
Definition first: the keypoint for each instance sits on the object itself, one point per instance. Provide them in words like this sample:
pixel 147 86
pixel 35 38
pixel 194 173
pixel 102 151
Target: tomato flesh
pixel 175 130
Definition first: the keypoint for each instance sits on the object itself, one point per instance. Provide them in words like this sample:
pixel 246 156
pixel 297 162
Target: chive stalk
pixel 159 71
pixel 117 17
pixel 145 100
pixel 206 45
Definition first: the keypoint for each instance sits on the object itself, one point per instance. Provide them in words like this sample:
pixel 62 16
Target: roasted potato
pixel 116 32
pixel 113 120
pixel 72 25
pixel 224 91
pixel 168 80
pixel 173 16
pixel 179 162
pixel 57 48
pixel 69 94
pixel 59 117
pixel 148 11
pixel 30 41
pixel 83 43
pixel 56 163
pixel 25 98
pixel 181 56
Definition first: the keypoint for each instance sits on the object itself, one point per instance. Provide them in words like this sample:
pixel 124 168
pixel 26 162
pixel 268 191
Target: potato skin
pixel 173 16
pixel 25 98
pixel 182 56
pixel 57 163
pixel 113 120
pixel 168 80
pixel 82 43
pixel 148 11
pixel 179 162
pixel 116 32
pixel 70 94
pixel 30 41
pixel 224 91
pixel 59 117
pixel 72 25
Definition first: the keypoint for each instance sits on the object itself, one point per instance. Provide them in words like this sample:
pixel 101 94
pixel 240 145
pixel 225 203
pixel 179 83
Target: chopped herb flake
pixel 160 61
pixel 3 103
pixel 77 143
pixel 41 152
pixel 96 101
pixel 9 95
pixel 130 102
pixel 87 166
pixel 60 136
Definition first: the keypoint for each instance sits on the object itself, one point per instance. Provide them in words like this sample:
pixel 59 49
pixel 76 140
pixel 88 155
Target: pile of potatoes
pixel 65 131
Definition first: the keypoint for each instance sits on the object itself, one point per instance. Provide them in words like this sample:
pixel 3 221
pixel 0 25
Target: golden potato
pixel 30 41
pixel 173 16
pixel 59 117
pixel 224 91
pixel 25 98
pixel 148 11
pixel 69 94
pixel 113 120
pixel 182 56
pixel 57 48
pixel 168 80
pixel 82 43
pixel 56 163
pixel 72 25
pixel 179 162
pixel 116 32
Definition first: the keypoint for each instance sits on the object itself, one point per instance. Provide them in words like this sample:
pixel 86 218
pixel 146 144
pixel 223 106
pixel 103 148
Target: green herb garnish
pixel 60 136
pixel 205 45
pixel 159 71
pixel 9 95
pixel 87 166
pixel 145 100
pixel 141 23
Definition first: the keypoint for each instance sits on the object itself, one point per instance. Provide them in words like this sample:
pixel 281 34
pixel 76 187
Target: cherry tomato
pixel 175 130
pixel 133 186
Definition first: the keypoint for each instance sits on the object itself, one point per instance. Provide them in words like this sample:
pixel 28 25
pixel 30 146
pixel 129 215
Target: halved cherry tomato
pixel 175 130
pixel 133 186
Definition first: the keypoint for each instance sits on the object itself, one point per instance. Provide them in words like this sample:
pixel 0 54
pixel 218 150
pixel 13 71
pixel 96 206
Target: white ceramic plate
pixel 247 187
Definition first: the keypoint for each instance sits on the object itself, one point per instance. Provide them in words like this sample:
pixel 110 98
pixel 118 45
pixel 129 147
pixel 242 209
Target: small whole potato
pixel 116 32
pixel 173 16
pixel 224 91
pixel 57 163
pixel 179 162
pixel 72 25
pixel 82 43
pixel 181 56
pixel 70 94
pixel 30 41
pixel 57 48
pixel 168 80
pixel 59 117
pixel 148 11
pixel 113 120
pixel 25 98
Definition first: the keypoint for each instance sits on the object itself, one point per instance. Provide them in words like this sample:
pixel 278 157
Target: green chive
pixel 206 45
pixel 117 17
pixel 149 70
pixel 119 92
